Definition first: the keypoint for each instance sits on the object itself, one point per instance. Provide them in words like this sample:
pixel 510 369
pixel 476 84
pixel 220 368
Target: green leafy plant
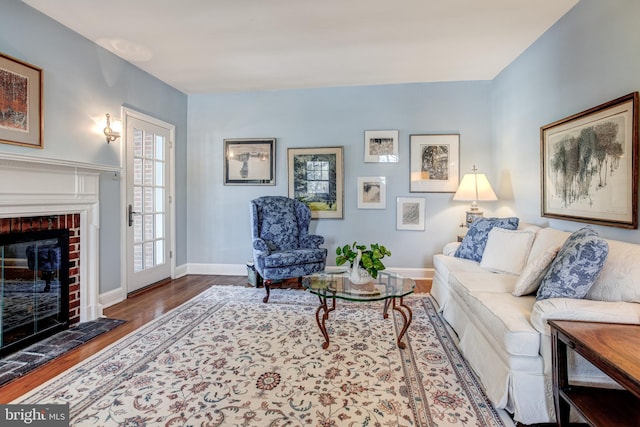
pixel 370 259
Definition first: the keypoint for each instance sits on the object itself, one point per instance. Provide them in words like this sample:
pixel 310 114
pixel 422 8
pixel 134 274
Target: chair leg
pixel 267 287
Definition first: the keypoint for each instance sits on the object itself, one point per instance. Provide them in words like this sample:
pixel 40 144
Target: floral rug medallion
pixel 227 359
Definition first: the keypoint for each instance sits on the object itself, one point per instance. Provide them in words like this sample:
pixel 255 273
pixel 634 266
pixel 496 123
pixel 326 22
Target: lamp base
pixel 472 215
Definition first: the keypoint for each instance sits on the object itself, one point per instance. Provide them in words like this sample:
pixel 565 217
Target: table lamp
pixel 474 187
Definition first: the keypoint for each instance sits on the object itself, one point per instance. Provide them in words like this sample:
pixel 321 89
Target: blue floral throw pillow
pixel 473 244
pixel 576 267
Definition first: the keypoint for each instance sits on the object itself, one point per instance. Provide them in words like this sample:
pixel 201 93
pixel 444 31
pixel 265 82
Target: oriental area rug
pixel 227 359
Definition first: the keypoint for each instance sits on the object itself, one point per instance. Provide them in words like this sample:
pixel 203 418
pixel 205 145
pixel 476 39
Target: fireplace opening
pixel 34 287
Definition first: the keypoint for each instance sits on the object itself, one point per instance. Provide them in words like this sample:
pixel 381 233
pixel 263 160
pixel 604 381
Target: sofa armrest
pixel 582 309
pixel 450 248
pixel 311 241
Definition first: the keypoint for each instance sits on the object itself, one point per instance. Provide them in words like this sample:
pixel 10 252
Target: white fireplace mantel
pixel 34 186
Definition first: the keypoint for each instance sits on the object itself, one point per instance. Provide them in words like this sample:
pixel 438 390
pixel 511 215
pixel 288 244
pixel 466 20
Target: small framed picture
pixel 381 146
pixel 434 163
pixel 372 192
pixel 316 179
pixel 410 213
pixel 21 115
pixel 250 161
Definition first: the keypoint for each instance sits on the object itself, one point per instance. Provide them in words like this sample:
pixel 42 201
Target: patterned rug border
pixel 413 375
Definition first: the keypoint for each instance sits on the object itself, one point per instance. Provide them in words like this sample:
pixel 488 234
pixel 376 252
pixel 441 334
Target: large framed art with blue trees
pixel 589 165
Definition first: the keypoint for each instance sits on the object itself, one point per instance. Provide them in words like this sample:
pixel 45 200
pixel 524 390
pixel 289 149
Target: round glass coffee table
pixel 388 287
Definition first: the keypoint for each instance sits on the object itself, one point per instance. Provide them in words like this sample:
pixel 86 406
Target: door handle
pixel 131 213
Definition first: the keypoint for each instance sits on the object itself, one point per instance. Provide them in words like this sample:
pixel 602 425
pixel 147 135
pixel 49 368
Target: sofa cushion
pixel 506 251
pixel 619 279
pixel 473 244
pixel 465 282
pixel 576 267
pixel 547 238
pixel 584 310
pixel 446 264
pixel 533 273
pixel 504 316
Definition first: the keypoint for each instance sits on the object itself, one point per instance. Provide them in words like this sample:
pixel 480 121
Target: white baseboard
pixel 115 296
pixel 180 271
pixel 110 298
pixel 241 270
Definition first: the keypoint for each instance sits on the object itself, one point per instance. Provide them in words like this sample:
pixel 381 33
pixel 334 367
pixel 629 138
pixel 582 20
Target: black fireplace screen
pixel 34 286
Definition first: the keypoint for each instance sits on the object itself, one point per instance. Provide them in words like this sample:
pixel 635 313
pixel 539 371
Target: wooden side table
pixel 612 348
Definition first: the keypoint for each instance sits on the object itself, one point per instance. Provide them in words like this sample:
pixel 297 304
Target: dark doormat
pixel 19 363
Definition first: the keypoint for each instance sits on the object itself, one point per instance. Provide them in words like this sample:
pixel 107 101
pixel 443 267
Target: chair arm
pixel 311 241
pixel 261 245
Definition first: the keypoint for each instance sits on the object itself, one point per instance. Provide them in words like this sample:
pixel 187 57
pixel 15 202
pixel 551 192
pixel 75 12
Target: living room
pixel 568 70
pixel 585 59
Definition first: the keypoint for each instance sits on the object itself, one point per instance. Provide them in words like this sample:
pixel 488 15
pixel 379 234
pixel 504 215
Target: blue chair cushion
pixel 292 257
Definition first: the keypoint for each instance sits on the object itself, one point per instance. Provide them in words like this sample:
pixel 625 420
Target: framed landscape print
pixel 381 146
pixel 250 161
pixel 410 213
pixel 372 192
pixel 589 165
pixel 21 117
pixel 434 163
pixel 316 179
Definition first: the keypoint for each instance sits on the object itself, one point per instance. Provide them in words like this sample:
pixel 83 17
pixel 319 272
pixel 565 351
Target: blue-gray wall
pixel 218 215
pixel 82 82
pixel 591 56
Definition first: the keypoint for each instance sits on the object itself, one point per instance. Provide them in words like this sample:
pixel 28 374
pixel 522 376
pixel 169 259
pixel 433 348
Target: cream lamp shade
pixel 474 187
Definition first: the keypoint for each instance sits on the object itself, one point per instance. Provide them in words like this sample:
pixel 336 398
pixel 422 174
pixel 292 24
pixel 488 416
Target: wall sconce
pixel 473 188
pixel 112 133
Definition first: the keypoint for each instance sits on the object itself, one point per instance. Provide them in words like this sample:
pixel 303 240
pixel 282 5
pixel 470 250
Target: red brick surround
pixel 56 222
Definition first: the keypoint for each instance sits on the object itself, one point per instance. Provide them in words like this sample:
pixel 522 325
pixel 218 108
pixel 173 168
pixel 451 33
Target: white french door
pixel 148 201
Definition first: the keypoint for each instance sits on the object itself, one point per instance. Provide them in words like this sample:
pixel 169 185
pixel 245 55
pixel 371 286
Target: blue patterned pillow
pixel 472 246
pixel 576 267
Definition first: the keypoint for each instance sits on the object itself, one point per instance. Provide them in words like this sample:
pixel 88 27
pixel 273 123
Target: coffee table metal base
pixel 322 314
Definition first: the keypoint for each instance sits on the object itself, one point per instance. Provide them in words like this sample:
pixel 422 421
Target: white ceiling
pixel 204 46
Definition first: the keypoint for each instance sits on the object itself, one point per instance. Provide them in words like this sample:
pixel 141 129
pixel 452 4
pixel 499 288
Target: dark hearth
pixel 34 281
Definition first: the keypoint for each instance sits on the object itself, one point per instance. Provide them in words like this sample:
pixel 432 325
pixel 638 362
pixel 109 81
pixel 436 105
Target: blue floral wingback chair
pixel 282 247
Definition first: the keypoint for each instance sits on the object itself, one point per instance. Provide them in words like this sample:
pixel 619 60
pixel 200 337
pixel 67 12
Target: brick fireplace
pixel 70 222
pixel 39 193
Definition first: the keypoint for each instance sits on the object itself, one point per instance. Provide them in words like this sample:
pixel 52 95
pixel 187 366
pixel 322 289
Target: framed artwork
pixel 372 192
pixel 410 213
pixel 316 178
pixel 434 163
pixel 21 113
pixel 589 165
pixel 250 161
pixel 381 146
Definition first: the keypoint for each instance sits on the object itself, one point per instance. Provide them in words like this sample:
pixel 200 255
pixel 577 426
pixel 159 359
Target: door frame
pixel 126 114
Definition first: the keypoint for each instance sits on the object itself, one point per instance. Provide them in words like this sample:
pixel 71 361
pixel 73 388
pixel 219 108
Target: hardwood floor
pixel 137 310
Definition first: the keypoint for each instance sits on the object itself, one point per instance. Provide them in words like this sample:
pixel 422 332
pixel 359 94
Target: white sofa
pixel 505 338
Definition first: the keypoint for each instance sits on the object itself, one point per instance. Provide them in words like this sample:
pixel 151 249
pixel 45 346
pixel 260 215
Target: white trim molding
pixel 241 270
pixel 32 186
